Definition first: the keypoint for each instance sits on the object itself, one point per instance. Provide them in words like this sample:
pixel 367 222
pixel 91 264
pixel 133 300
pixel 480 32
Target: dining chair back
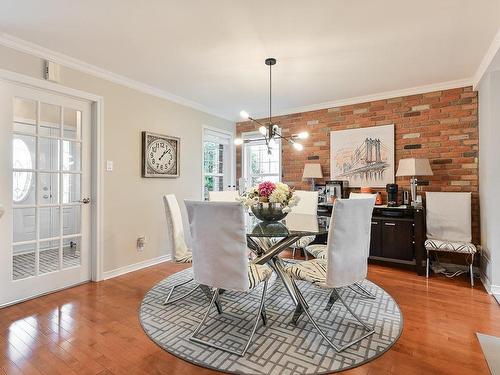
pixel 449 216
pixel 308 202
pixel 175 229
pixel 348 242
pixel 219 244
pixel 223 196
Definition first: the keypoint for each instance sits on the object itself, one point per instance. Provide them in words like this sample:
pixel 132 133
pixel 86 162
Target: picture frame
pixel 363 156
pixel 160 155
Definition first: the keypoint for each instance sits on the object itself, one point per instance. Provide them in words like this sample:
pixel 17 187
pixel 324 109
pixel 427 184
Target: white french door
pixel 45 187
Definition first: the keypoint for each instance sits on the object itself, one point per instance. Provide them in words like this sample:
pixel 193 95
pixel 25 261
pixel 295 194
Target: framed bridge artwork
pixel 363 156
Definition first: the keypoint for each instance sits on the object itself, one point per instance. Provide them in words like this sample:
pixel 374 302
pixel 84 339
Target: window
pixel 21 159
pixel 216 161
pixel 258 164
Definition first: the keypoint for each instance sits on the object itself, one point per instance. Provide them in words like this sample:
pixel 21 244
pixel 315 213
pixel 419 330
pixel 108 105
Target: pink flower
pixel 266 188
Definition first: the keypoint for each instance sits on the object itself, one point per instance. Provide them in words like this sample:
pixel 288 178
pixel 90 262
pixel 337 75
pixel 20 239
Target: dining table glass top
pixel 291 225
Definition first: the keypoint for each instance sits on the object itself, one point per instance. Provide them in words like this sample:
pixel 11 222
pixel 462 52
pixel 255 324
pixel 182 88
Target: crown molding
pixel 374 97
pixel 487 59
pixel 70 62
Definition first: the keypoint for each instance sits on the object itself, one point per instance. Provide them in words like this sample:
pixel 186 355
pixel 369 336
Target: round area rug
pixel 280 347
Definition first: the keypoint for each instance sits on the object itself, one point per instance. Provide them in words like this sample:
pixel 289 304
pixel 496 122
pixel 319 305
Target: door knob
pixel 84 201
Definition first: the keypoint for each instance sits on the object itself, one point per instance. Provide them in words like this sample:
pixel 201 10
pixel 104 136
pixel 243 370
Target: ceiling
pixel 212 52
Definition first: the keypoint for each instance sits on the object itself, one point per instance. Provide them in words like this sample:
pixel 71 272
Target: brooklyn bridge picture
pixel 364 157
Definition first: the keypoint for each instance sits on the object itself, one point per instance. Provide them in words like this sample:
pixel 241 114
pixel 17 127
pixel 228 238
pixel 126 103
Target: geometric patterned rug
pixel 280 347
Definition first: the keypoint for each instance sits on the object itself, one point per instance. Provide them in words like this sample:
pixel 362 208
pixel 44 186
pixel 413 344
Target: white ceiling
pixel 212 52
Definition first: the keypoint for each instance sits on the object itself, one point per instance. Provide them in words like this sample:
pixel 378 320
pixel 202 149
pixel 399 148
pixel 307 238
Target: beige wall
pixel 132 205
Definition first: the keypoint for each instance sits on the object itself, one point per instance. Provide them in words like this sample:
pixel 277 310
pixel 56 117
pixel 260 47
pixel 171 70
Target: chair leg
pixel 471 271
pixel 337 348
pixel 357 288
pixel 331 300
pixel 427 265
pixel 168 301
pixel 305 254
pixel 260 313
pixel 293 252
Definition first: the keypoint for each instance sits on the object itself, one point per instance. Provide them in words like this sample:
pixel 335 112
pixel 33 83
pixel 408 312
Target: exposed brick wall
pixel 441 126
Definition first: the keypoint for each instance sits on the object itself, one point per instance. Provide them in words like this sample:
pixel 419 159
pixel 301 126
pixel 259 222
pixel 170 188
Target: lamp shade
pixel 312 171
pixel 414 167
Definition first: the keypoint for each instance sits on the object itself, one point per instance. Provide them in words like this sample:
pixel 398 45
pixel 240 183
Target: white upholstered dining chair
pixel 307 205
pixel 220 258
pixel 223 196
pixel 320 250
pixel 180 253
pixel 345 265
pixel 448 218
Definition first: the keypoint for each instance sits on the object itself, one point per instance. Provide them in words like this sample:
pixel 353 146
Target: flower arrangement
pixel 271 192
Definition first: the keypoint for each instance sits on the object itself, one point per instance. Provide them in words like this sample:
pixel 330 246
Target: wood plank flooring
pixel 94 328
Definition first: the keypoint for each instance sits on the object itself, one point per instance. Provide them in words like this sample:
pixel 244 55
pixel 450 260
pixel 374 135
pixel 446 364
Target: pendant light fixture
pixel 270 131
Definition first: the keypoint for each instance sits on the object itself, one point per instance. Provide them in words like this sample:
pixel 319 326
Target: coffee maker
pixel 392 195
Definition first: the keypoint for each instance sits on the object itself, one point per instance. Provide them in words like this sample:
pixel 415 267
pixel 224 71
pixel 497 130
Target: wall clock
pixel 160 155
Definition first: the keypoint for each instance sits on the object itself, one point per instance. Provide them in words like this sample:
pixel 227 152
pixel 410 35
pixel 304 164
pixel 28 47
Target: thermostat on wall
pixel 51 71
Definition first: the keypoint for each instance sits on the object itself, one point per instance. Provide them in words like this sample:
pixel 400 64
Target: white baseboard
pixel 135 267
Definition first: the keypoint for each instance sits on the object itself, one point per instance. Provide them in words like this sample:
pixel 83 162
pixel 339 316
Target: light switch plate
pixel 109 165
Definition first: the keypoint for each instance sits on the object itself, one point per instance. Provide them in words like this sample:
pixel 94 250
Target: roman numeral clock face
pixel 160 156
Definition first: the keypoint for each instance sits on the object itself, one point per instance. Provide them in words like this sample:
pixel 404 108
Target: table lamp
pixel 414 167
pixel 312 171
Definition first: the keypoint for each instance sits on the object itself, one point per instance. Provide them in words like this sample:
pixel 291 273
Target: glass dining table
pixel 268 239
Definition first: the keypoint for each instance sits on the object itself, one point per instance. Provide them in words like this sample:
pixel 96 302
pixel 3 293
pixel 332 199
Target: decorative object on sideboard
pixel 321 189
pixel 392 195
pixel 312 171
pixel 363 156
pixel 160 155
pixel 378 199
pixel 414 167
pixel 270 131
pixel 336 189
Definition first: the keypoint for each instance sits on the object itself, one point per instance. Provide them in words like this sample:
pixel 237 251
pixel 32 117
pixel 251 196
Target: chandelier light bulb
pixel 244 115
pixel 298 146
pixel 263 130
pixel 238 141
pixel 303 135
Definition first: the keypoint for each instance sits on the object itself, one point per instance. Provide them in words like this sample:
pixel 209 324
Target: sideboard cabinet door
pixel 376 238
pixel 397 239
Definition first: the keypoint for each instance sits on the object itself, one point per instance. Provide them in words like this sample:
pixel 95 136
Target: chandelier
pixel 270 132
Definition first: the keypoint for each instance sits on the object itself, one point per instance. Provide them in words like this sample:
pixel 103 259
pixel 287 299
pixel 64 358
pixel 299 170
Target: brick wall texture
pixel 441 126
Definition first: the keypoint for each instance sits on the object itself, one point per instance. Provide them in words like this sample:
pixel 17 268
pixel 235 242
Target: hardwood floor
pixel 94 328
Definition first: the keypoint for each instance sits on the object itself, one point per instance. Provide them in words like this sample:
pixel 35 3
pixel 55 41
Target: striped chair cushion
pixel 313 271
pixel 318 251
pixel 258 273
pixel 456 247
pixel 303 242
pixel 188 258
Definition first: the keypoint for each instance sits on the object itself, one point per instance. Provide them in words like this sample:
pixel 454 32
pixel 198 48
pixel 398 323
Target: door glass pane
pixel 71 156
pixel 24 221
pixel 23 152
pixel 71 220
pixel 23 188
pixel 72 123
pixel 48 154
pixel 71 188
pixel 24 115
pixel 50 120
pixel 72 252
pixel 23 261
pixel 49 222
pixel 49 256
pixel 49 188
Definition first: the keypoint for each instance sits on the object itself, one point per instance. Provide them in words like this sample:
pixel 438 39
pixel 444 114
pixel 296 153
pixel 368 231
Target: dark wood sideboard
pixel 397 235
